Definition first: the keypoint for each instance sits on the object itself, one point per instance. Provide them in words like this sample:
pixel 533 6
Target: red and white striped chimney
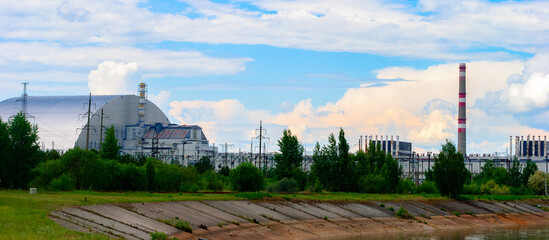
pixel 462 118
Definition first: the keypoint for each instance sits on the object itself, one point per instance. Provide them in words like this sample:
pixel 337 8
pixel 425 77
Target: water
pixel 530 233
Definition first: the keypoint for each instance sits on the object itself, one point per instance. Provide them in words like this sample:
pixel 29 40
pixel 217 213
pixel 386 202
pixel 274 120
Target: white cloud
pixel 161 100
pixel 71 13
pixel 422 109
pixel 524 92
pixel 449 31
pixel 113 78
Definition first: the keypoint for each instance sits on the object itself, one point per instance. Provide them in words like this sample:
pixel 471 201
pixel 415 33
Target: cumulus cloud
pixel 111 78
pixel 421 108
pixel 524 92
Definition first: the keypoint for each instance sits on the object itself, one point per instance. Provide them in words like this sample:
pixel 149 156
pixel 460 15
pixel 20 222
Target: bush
pixel 522 191
pixel 183 225
pixel 428 187
pixel 211 181
pixel 403 213
pixel 472 189
pixel 224 171
pixel 491 187
pixel 405 186
pixel 536 182
pixel 45 172
pixel 287 185
pixel 373 183
pixel 247 178
pixel 159 236
pixel 61 183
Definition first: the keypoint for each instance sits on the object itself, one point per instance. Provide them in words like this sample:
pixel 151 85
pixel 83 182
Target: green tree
pixel 486 172
pixel 392 172
pixel 450 171
pixel 290 156
pixel 150 174
pixel 25 152
pixel 528 171
pixel 346 180
pixel 515 173
pixel 537 182
pixel 5 155
pixel 109 147
pixel 204 165
pixel 247 178
pixel 501 176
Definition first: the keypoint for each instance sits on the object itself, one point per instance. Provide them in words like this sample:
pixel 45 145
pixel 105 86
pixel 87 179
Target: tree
pixel 150 174
pixel 514 174
pixel 247 178
pixel 450 171
pixel 345 170
pixel 537 182
pixel 290 156
pixel 392 172
pixel 109 147
pixel 25 152
pixel 5 154
pixel 204 165
pixel 528 171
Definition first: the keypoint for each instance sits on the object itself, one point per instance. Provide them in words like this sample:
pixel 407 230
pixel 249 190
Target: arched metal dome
pixel 61 119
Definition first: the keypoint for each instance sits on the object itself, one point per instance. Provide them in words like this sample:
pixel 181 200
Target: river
pixel 533 233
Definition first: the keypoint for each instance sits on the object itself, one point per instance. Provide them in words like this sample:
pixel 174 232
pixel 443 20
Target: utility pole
pixel 101 132
pixel 260 136
pixel 88 124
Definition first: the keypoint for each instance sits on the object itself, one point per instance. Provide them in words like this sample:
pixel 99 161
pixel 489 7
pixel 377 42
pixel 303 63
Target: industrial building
pixel 141 128
pixel 398 149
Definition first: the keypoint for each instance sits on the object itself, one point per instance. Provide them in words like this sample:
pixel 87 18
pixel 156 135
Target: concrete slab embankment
pixel 295 219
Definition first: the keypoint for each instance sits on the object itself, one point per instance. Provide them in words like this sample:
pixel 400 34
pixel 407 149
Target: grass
pixel 25 216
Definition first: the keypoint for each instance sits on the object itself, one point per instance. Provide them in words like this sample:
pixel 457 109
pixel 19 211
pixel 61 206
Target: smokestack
pixel 142 100
pixel 462 118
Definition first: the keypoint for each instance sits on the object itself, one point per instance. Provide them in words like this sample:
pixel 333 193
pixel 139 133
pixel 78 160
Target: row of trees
pixel 333 169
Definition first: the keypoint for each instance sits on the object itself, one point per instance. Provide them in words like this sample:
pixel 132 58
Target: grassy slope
pixel 25 216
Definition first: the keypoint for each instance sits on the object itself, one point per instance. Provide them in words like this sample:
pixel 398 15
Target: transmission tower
pixel 88 126
pixel 261 131
pixel 23 100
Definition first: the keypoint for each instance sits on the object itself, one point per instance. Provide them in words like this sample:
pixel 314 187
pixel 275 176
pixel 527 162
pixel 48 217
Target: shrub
pixel 522 191
pixel 491 187
pixel 373 183
pixel 537 182
pixel 183 225
pixel 405 186
pixel 159 236
pixel 427 187
pixel 287 185
pixel 472 189
pixel 391 209
pixel 247 178
pixel 403 213
pixel 457 213
pixel 61 183
pixel 224 171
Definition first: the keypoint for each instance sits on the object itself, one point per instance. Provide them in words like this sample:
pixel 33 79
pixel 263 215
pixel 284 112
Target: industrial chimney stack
pixel 142 101
pixel 462 118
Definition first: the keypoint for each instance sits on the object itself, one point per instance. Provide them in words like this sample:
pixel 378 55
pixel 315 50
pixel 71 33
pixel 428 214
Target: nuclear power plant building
pixel 141 128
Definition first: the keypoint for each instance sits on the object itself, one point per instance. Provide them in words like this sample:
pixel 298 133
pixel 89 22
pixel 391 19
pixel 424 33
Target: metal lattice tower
pixel 23 101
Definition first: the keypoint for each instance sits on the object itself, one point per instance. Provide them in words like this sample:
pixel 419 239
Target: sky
pixel 313 66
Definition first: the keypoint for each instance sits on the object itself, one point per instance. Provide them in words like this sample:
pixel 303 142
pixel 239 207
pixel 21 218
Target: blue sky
pixel 371 67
